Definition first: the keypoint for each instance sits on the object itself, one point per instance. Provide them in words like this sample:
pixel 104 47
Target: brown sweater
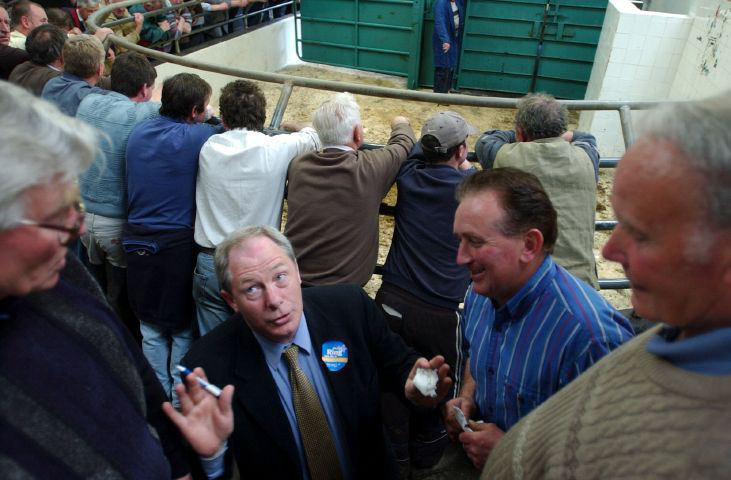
pixel 33 76
pixel 632 415
pixel 333 202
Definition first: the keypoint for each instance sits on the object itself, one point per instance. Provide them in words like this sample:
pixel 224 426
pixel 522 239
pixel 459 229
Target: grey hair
pixel 335 119
pixel 541 116
pixel 87 3
pixel 701 130
pixel 239 237
pixel 40 144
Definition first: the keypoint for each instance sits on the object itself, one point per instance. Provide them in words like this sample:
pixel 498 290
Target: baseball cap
pixel 449 128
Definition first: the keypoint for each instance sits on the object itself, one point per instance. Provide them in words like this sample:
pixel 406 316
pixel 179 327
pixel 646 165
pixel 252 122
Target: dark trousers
pixel 418 435
pixel 442 79
pixel 113 281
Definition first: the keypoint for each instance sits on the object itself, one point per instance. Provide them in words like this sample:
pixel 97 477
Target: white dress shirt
pixel 241 180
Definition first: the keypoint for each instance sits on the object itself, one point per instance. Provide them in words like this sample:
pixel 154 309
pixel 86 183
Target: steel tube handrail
pixel 355 88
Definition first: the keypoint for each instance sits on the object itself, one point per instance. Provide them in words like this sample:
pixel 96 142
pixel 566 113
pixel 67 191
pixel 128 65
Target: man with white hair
pixel 659 406
pixel 24 17
pixel 335 193
pixel 78 398
pixel 82 12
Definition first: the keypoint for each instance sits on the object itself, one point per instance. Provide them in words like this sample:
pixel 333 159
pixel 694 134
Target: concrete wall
pixel 266 49
pixel 637 58
pixel 650 55
pixel 682 7
pixel 705 66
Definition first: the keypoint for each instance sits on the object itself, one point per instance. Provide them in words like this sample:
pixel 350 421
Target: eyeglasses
pixel 73 231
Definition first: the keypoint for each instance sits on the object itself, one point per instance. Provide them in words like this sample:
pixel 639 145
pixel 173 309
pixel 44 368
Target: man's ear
pixel 230 300
pixel 532 245
pixel 358 135
pixel 520 135
pixel 25 22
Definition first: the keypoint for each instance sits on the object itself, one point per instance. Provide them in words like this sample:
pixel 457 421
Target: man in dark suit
pixel 341 344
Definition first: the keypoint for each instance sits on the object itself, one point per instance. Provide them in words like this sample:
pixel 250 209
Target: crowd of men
pixel 180 242
pixel 19 18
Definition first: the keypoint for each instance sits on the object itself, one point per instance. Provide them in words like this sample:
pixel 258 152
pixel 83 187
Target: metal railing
pixel 288 82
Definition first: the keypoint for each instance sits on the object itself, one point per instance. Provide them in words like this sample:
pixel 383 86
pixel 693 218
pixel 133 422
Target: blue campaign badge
pixel 335 355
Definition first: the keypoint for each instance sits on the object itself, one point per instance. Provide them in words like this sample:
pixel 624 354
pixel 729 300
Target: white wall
pixel 268 49
pixel 651 55
pixel 682 7
pixel 705 66
pixel 638 56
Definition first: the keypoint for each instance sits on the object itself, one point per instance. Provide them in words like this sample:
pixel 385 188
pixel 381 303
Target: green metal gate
pixel 513 46
pixel 518 46
pixel 376 35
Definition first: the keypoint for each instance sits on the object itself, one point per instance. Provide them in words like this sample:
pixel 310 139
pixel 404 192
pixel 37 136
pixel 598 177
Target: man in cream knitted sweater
pixel 657 407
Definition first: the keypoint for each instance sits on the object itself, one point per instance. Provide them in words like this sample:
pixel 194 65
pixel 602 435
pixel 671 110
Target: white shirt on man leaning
pixel 241 177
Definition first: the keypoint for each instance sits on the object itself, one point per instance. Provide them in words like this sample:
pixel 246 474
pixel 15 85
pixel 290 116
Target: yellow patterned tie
pixel 322 458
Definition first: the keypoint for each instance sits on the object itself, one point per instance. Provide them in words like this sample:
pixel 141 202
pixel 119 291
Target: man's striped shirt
pixel 553 329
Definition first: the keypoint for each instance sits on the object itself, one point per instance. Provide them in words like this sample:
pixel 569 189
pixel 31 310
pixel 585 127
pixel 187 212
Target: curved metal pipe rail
pixel 290 81
pixel 330 85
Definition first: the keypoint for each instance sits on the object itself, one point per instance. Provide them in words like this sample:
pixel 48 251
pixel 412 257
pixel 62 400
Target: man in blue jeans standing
pixel 240 182
pixel 162 164
pixel 448 23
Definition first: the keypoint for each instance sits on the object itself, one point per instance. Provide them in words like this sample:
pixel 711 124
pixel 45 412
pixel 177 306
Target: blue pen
pixel 208 387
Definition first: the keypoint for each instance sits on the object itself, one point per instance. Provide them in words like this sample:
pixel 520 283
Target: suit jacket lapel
pixel 339 382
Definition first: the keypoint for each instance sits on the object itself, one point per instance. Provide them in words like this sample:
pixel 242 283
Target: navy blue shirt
pixel 162 166
pixel 423 255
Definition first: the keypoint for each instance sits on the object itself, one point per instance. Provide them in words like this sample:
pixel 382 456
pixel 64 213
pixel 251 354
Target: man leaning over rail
pixel 104 185
pixel 530 326
pixel 335 194
pixel 240 182
pixel 162 164
pixel 566 163
pixel 659 406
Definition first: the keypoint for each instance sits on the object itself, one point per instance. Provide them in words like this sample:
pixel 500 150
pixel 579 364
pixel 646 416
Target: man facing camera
pixel 308 366
pixel 659 406
pixel 530 326
pixel 566 163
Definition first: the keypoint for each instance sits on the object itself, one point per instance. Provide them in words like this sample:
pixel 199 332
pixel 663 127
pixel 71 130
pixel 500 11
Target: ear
pixel 358 135
pixel 520 135
pixel 230 300
pixel 532 245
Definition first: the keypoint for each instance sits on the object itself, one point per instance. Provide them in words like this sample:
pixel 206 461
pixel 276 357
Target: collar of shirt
pixel 707 353
pixel 344 148
pixel 521 302
pixel 54 68
pixel 273 350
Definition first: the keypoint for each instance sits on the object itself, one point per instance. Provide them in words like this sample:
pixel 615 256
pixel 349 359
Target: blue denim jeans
pixel 210 308
pixel 164 349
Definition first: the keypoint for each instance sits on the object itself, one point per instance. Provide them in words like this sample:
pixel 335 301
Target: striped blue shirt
pixel 553 329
